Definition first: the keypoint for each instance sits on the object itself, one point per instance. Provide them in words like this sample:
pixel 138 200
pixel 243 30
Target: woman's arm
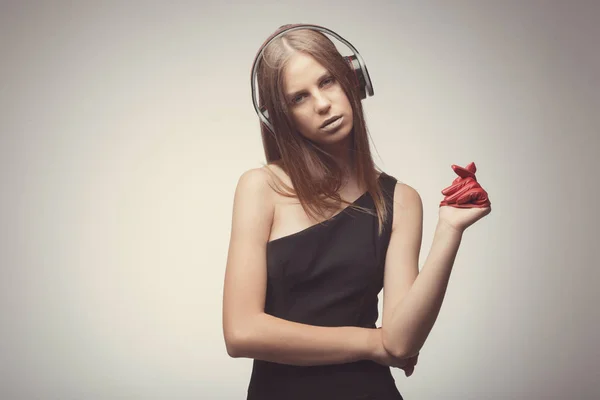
pixel 248 330
pixel 414 299
pixel 277 340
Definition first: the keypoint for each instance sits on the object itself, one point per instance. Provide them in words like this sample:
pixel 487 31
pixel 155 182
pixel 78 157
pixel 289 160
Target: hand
pixel 381 356
pixel 410 367
pixel 466 201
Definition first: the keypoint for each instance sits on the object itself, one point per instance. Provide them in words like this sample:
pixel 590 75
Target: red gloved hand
pixel 465 191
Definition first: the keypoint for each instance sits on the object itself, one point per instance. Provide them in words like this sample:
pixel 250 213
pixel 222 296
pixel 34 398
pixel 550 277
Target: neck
pixel 345 160
pixel 344 157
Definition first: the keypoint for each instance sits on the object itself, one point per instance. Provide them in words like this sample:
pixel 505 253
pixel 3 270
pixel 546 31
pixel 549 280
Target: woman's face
pixel 314 97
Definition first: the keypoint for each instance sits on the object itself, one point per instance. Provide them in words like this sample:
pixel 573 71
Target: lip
pixel 330 120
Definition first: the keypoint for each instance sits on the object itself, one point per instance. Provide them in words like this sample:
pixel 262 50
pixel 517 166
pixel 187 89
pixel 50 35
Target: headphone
pixel 355 62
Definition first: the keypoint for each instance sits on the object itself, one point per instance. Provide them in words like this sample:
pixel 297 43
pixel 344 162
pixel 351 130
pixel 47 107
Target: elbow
pixel 233 349
pixel 397 347
pixel 234 343
pixel 240 337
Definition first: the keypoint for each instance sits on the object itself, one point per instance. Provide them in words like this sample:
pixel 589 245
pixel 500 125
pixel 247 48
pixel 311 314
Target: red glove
pixel 465 191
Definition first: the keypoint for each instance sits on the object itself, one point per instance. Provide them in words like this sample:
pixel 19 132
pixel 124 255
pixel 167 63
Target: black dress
pixel 329 274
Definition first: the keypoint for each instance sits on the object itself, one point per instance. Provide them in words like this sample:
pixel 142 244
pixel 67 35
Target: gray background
pixel 124 129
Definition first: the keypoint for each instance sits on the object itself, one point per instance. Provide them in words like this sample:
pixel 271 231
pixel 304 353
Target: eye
pixel 325 82
pixel 328 81
pixel 297 99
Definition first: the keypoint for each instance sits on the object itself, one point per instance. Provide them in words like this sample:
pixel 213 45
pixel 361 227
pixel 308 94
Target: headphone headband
pixel 356 63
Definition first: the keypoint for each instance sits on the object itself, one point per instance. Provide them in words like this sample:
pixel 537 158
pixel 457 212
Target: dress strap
pixel 388 186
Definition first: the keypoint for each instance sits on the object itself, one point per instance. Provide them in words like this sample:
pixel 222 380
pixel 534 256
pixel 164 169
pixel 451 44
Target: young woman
pixel 319 231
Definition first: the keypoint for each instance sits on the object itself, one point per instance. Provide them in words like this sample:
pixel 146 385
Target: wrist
pixel 445 227
pixel 371 339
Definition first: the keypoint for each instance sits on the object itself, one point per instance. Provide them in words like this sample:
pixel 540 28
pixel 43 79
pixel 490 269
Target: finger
pixel 463 172
pixel 410 362
pixel 453 188
pixel 471 167
pixel 450 190
pixel 469 197
pixel 476 196
pixel 466 188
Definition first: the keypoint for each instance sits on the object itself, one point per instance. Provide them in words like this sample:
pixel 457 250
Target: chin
pixel 341 135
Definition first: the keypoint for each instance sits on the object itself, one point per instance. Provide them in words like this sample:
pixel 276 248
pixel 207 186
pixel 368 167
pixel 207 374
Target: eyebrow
pixel 324 75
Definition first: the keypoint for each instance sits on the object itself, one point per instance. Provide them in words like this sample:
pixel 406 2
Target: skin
pixel 313 96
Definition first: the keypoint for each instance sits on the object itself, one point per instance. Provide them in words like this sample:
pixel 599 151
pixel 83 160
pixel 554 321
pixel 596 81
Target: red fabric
pixel 465 191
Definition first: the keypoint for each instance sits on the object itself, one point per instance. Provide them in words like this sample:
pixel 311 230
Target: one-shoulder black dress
pixel 329 274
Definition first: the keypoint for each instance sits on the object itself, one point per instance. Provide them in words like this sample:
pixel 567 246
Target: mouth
pixel 330 120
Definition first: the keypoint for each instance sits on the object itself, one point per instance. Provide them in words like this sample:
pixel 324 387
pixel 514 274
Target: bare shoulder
pixel 406 195
pixel 253 181
pixel 258 183
pixel 256 192
pixel 407 203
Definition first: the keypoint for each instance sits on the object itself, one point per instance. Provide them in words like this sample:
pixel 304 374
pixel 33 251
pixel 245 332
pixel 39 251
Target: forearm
pixel 413 318
pixel 277 340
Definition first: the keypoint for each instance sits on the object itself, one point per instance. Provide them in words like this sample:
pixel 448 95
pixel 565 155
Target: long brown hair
pixel 315 176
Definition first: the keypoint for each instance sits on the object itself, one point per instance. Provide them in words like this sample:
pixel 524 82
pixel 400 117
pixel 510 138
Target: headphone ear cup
pixel 359 78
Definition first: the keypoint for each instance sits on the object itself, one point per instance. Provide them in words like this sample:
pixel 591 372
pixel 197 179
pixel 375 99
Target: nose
pixel 322 103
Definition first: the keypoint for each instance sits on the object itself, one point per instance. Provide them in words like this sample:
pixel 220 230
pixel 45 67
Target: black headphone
pixel 355 61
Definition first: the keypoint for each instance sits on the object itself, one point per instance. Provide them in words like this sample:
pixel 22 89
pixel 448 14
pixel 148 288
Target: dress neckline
pixel 326 221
